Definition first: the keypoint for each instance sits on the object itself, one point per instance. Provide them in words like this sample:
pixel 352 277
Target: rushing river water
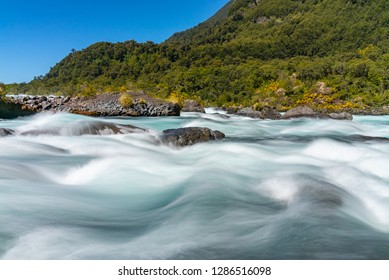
pixel 287 189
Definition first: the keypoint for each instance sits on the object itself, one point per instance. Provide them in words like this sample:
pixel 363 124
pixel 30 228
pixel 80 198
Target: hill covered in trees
pixel 331 54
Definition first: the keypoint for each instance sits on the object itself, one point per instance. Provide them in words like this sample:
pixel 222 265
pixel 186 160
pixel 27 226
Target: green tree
pixel 2 88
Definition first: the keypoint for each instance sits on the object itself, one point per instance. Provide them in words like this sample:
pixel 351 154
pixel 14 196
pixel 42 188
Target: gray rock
pixel 190 135
pixel 6 132
pixel 192 106
pixel 271 114
pixel 265 113
pixel 42 98
pixel 304 112
pixel 100 105
pixel 46 105
pixel 251 113
pixel 341 116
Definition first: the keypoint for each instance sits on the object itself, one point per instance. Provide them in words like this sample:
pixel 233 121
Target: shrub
pixel 125 100
pixel 2 88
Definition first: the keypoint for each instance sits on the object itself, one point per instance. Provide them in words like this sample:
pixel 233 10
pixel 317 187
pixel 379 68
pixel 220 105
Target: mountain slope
pixel 331 54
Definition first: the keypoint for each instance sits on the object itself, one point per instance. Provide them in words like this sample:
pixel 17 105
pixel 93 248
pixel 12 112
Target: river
pixel 284 189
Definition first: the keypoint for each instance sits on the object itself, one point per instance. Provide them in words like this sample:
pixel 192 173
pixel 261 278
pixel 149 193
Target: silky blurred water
pixel 286 189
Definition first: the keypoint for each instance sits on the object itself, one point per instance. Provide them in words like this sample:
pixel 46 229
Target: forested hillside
pixel 331 54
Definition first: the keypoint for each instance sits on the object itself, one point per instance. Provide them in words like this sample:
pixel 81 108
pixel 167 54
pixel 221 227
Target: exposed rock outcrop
pixel 265 113
pixel 306 112
pixel 321 88
pixel 193 106
pixel 303 112
pixel 100 105
pixel 190 135
pixel 271 114
pixel 341 116
pixel 9 110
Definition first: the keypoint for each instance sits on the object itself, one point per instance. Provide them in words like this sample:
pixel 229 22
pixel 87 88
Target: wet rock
pixel 251 113
pixel 193 106
pixel 265 113
pixel 6 132
pixel 10 110
pixel 190 135
pixel 341 116
pixel 231 110
pixel 271 114
pixel 304 112
pixel 86 128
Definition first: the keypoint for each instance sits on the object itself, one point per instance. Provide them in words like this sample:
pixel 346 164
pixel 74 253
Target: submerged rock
pixel 6 132
pixel 190 135
pixel 86 128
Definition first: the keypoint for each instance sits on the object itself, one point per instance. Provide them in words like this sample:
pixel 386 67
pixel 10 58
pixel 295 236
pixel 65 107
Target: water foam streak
pixel 293 189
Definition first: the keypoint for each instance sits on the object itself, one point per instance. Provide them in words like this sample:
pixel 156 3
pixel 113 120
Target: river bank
pixel 141 104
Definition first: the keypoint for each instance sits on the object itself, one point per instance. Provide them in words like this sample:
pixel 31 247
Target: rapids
pixel 285 189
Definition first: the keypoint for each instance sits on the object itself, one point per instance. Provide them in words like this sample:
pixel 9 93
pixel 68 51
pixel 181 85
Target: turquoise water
pixel 290 189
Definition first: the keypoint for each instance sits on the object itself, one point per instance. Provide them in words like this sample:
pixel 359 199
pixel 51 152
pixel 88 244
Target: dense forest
pixel 332 54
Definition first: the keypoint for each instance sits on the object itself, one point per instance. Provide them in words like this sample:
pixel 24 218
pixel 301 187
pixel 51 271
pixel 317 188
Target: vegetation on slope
pixel 331 54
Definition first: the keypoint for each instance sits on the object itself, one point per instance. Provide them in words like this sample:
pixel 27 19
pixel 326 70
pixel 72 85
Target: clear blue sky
pixel 34 35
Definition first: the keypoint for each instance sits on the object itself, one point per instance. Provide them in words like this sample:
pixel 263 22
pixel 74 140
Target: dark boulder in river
pixel 6 132
pixel 190 135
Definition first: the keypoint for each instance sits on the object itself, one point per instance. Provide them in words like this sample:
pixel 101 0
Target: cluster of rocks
pixel 41 103
pixel 270 113
pixel 144 105
pixel 306 112
pixel 99 105
pixel 265 113
pixel 180 137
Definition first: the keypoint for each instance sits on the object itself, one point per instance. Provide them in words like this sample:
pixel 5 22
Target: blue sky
pixel 34 35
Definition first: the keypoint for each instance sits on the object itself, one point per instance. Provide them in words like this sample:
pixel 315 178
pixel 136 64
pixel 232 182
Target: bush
pixel 125 100
pixel 2 88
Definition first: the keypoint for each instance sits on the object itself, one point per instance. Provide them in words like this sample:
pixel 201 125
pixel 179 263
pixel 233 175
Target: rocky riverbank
pixel 140 104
